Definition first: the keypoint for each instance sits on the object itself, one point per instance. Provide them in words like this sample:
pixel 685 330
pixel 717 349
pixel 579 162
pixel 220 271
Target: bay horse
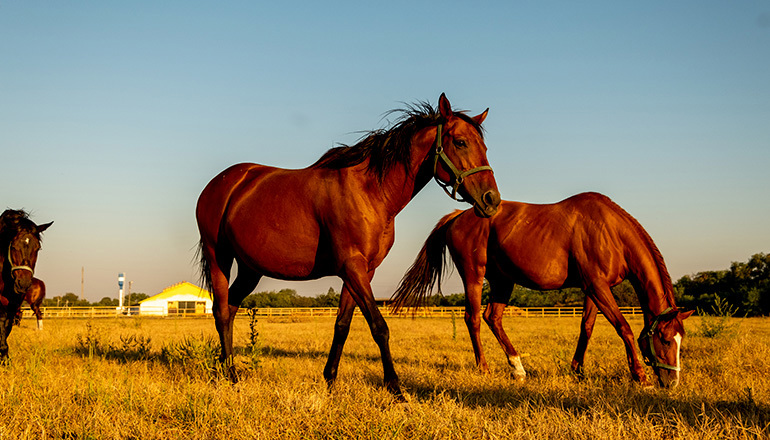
pixel 19 246
pixel 336 217
pixel 34 296
pixel 585 241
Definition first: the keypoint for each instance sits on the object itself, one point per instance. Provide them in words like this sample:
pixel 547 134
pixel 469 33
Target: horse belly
pixel 285 250
pixel 535 268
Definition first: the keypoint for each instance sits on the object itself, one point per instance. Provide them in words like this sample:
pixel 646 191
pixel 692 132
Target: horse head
pixel 660 343
pixel 21 237
pixel 460 160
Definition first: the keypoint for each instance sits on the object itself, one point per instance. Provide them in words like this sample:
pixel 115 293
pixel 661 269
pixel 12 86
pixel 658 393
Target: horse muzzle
pixel 22 279
pixel 488 204
pixel 667 378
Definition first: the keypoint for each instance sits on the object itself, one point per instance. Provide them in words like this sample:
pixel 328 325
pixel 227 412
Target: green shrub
pixel 717 323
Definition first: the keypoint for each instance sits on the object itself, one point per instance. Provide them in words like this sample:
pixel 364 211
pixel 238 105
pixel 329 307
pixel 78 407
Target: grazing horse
pixel 34 297
pixel 19 245
pixel 585 241
pixel 336 217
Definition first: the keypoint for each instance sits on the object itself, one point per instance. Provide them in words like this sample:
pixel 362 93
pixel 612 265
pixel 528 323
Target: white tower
pixel 121 279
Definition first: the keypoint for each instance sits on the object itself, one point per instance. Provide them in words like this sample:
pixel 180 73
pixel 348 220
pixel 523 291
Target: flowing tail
pixel 426 271
pixel 205 269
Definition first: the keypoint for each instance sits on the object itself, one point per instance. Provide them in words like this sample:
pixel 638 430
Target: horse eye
pixel 459 143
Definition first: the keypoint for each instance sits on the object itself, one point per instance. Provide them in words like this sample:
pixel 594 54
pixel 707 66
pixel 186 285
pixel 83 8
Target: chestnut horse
pixel 336 217
pixel 19 245
pixel 34 297
pixel 585 241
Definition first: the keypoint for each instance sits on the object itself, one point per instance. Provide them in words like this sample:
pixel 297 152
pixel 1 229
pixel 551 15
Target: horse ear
pixel 480 118
pixel 685 315
pixel 444 107
pixel 41 228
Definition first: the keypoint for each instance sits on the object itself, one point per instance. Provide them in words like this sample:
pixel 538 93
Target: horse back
pixel 321 214
pixel 549 246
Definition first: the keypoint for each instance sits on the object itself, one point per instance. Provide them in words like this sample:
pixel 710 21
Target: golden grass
pixel 52 388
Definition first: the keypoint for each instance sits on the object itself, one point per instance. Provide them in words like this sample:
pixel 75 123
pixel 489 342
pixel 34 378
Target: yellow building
pixel 180 299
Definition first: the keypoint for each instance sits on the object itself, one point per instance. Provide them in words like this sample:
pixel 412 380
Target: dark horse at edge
pixel 336 217
pixel 19 246
pixel 585 241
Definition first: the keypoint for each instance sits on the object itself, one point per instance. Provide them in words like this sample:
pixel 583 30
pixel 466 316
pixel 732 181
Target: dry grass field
pixel 142 378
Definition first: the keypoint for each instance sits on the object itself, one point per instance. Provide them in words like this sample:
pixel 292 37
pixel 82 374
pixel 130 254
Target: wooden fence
pixel 427 312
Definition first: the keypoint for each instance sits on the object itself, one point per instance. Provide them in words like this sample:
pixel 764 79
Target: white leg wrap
pixel 39 324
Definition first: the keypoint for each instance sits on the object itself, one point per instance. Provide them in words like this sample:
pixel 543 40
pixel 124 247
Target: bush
pixel 717 323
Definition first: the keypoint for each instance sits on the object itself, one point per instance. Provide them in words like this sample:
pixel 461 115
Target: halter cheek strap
pixel 457 176
pixel 13 267
pixel 651 358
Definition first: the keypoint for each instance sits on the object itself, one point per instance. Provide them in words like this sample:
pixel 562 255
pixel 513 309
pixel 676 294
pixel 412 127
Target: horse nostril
pixel 492 198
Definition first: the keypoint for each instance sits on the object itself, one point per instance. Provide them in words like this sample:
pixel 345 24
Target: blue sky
pixel 115 115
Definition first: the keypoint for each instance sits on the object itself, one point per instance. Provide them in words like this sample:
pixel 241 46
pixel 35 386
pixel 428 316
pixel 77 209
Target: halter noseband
pixel 24 267
pixel 651 358
pixel 457 176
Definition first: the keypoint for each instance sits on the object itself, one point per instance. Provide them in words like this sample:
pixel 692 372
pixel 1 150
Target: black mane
pixel 384 148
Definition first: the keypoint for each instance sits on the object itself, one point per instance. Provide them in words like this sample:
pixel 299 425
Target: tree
pixel 107 302
pixel 70 299
pixel 282 298
pixel 745 286
pixel 328 299
pixel 135 298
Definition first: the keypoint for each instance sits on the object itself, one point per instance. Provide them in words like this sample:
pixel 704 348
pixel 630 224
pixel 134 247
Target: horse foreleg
pixel 341 330
pixel 357 278
pixel 7 315
pixel 602 296
pixel 493 316
pixel 39 316
pixel 586 329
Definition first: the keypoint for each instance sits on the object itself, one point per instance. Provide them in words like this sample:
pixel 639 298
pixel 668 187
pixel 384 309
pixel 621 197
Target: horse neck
pixel 402 184
pixel 654 288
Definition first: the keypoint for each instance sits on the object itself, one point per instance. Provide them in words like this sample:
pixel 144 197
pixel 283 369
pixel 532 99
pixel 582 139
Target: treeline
pixel 281 298
pixel 290 298
pixel 745 286
pixel 70 299
pixel 523 297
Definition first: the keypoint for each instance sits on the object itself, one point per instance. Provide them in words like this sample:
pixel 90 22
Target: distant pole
pixel 128 297
pixel 82 280
pixel 121 279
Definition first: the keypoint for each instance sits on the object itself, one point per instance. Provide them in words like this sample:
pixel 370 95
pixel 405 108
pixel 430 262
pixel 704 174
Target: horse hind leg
pixel 244 284
pixel 586 329
pixel 472 317
pixel 218 265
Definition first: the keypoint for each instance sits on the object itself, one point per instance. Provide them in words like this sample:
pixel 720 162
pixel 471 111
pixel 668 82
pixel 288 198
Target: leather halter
pixel 22 267
pixel 651 358
pixel 457 176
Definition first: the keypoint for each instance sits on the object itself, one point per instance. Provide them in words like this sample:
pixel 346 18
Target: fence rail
pixel 427 312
